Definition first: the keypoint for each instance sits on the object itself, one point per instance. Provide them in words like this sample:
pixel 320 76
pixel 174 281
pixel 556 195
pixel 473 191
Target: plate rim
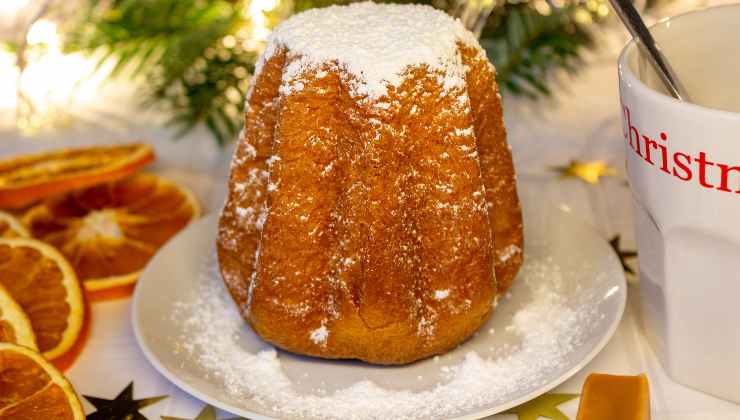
pixel 478 415
pixel 154 361
pixel 605 339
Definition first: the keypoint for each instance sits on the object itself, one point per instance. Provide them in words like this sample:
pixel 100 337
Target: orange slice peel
pixel 32 389
pixel 15 327
pixel 10 227
pixel 27 179
pixel 66 360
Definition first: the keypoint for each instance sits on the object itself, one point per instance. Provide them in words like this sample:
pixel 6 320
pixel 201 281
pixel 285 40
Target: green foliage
pixel 177 48
pixel 527 46
pixel 9 46
pixel 191 61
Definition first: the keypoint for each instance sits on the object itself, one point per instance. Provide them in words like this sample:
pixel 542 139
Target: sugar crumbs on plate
pixel 548 327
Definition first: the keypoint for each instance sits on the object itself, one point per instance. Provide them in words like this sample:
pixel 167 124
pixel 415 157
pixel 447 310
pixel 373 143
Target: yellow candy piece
pixel 612 397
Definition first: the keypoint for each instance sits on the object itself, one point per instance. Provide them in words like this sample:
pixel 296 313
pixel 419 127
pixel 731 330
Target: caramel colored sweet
pixel 612 397
pixel 371 226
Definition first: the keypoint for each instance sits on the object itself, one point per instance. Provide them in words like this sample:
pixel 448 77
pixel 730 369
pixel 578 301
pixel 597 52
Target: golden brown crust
pixel 378 244
pixel 497 166
pixel 238 236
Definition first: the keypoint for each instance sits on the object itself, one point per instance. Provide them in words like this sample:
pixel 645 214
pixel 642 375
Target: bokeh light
pixel 11 7
pixel 41 92
pixel 260 24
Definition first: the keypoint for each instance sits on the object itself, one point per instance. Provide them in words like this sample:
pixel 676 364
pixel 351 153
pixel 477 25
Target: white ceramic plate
pixel 566 263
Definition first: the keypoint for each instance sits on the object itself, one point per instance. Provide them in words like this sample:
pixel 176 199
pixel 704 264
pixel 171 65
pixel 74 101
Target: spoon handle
pixel 649 48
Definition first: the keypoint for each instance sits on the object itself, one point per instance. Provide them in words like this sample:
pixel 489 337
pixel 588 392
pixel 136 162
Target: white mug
pixel 683 164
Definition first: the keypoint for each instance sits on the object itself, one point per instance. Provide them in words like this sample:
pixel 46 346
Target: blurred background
pixel 175 73
pixel 90 61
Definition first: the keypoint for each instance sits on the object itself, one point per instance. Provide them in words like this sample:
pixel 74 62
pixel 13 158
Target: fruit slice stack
pixel 76 224
pixel 97 209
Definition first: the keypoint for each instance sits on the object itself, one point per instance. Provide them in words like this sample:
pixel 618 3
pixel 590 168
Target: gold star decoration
pixel 589 171
pixel 208 413
pixel 543 406
pixel 622 254
pixel 123 407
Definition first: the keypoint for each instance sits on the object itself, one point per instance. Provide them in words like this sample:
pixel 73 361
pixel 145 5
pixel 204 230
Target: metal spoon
pixel 649 48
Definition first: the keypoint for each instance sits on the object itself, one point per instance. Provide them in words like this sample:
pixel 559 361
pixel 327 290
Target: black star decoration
pixel 208 413
pixel 123 407
pixel 622 254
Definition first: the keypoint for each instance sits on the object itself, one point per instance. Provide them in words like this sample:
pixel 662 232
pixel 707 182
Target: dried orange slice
pixel 45 286
pixel 32 389
pixel 110 231
pixel 15 327
pixel 26 179
pixel 10 227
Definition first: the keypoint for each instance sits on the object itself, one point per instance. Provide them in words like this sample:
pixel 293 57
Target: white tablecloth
pixel 580 122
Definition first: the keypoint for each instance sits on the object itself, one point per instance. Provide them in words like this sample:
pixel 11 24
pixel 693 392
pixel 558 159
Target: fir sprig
pixel 185 51
pixel 194 63
pixel 527 46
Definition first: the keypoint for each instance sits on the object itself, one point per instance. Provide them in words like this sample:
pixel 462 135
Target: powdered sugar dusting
pixel 545 330
pixel 441 294
pixel 319 335
pixel 372 42
pixel 508 252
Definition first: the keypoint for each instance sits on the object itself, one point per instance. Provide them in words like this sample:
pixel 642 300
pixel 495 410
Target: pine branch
pixel 177 46
pixel 527 46
pixel 180 49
